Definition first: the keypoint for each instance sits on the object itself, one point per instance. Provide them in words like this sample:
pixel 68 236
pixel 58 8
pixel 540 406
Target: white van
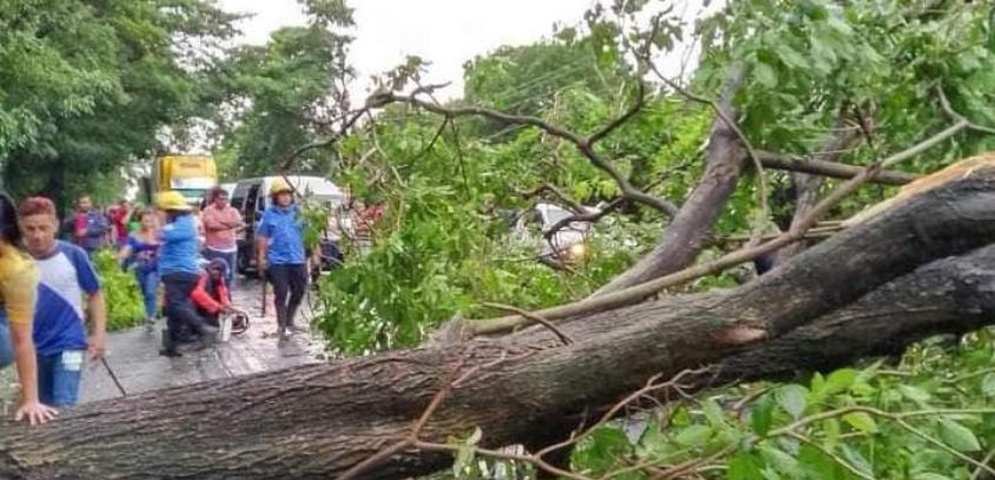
pixel 251 197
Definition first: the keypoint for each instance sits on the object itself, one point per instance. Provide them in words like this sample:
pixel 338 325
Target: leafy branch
pixel 640 292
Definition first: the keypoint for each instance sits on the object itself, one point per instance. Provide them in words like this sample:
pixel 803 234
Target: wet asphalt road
pixel 133 355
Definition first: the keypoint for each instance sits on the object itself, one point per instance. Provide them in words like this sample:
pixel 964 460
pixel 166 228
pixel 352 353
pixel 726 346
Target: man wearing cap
pixel 281 255
pixel 179 271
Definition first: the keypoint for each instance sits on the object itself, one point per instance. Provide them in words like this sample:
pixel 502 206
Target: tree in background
pixel 285 94
pixel 86 87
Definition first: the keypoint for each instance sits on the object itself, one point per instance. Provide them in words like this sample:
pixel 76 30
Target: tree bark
pixel 688 232
pixel 317 421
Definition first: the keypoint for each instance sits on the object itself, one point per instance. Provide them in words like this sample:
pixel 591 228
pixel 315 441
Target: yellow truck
pixel 191 175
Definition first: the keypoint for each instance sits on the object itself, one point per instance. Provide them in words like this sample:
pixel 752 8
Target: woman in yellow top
pixel 18 290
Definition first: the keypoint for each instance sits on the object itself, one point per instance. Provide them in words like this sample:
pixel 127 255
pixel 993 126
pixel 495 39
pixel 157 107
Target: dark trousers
pixel 180 309
pixel 289 284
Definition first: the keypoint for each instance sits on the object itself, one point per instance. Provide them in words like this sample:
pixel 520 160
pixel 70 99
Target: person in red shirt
pixel 211 295
pixel 119 216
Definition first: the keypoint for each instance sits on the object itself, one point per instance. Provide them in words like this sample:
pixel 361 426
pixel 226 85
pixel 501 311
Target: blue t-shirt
pixel 284 227
pixel 143 254
pixel 65 275
pixel 97 226
pixel 180 246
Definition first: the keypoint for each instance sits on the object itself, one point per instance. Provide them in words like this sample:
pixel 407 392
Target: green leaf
pixel 861 421
pixel 988 385
pixel 765 74
pixel 791 398
pixel 790 57
pixel 840 380
pixel 713 412
pixel 783 462
pixel 930 476
pixel 915 394
pixel 744 466
pixel 475 436
pixel 693 436
pixel 858 461
pixel 762 415
pixel 464 459
pixel 958 436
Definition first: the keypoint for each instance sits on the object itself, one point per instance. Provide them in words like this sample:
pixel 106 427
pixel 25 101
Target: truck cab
pixel 191 175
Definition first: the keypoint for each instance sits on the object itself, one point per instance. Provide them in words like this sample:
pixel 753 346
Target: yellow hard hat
pixel 279 186
pixel 172 200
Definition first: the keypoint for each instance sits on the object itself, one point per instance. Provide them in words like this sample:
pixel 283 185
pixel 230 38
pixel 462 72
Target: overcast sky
pixel 444 32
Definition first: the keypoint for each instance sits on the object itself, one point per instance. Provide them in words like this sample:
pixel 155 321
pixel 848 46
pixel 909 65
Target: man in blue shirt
pixel 281 257
pixel 91 227
pixel 65 276
pixel 180 272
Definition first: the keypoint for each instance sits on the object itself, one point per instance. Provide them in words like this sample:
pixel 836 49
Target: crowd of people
pixel 50 290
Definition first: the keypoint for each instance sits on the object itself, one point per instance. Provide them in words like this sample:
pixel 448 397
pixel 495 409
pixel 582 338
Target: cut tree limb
pixel 319 421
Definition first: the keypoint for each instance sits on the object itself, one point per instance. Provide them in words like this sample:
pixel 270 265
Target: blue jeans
pixel 229 259
pixel 59 377
pixel 148 282
pixel 6 348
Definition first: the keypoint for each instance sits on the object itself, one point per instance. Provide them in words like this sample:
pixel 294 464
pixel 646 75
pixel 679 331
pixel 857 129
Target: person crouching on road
pixel 65 275
pixel 18 293
pixel 281 255
pixel 179 272
pixel 211 294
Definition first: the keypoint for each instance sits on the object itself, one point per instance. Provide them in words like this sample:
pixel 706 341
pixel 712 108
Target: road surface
pixel 134 364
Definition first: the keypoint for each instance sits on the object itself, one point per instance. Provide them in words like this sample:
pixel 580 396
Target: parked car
pixel 566 245
pixel 251 198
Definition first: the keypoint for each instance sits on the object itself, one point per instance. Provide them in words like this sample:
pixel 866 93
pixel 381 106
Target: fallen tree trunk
pixel 318 421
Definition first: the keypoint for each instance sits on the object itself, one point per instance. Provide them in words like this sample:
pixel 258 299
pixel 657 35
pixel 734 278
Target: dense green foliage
pixel 931 418
pixel 125 308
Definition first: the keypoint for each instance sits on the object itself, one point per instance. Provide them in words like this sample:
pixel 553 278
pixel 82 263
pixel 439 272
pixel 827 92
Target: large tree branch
pixel 584 145
pixel 688 232
pixel 320 421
